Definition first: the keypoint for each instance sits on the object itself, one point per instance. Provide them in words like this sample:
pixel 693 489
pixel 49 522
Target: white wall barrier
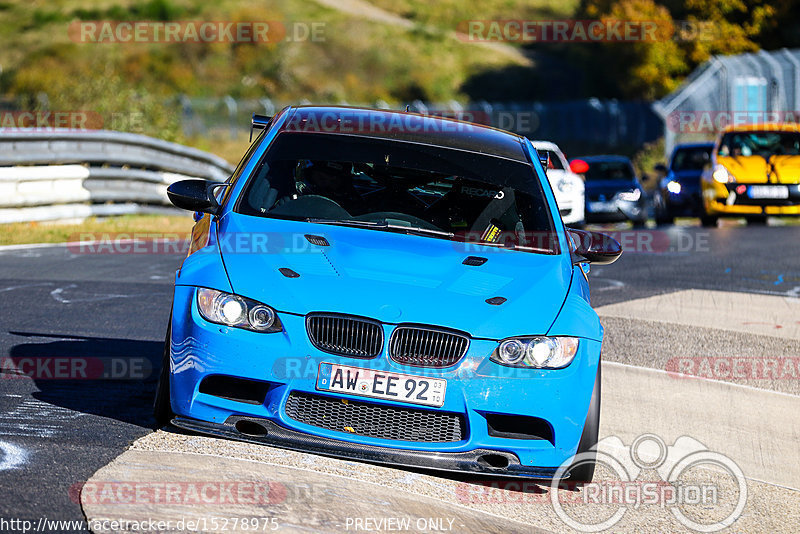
pixel 56 174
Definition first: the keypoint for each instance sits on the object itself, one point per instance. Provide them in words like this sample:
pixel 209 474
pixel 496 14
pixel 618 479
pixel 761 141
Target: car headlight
pixel 630 196
pixel 722 175
pixel 233 310
pixel 565 186
pixel 674 187
pixel 536 352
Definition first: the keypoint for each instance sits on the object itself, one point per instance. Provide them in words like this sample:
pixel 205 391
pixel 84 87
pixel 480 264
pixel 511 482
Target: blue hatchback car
pixel 388 287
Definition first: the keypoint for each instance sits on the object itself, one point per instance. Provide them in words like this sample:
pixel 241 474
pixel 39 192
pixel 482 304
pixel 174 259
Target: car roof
pixel 545 145
pixel 599 158
pixel 407 127
pixel 708 144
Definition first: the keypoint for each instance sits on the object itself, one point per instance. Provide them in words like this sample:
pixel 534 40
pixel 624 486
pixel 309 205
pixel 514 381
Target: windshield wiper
pixel 511 246
pixel 381 226
pixel 342 222
pixel 418 230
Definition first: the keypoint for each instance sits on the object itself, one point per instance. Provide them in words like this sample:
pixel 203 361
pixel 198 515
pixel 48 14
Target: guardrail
pixel 64 174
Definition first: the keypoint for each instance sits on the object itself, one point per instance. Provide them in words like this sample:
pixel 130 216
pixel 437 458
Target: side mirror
pixel 578 166
pixel 195 195
pixel 593 247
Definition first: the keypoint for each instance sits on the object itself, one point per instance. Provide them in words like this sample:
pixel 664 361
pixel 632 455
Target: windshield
pixel 764 144
pixel 691 159
pixel 609 171
pixel 402 187
pixel 555 161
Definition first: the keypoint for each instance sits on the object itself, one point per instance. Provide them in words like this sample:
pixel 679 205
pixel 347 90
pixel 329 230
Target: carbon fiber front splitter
pixel 481 461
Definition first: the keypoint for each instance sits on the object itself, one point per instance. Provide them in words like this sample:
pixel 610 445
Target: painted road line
pixel 740 312
pixel 756 428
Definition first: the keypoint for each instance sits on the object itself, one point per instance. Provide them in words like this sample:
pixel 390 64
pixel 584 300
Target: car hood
pixel 757 169
pixel 394 278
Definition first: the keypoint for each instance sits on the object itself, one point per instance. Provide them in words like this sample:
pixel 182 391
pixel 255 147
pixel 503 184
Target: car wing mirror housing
pixel 593 247
pixel 195 195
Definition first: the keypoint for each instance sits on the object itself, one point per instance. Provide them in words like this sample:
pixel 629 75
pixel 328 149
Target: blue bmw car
pixel 388 287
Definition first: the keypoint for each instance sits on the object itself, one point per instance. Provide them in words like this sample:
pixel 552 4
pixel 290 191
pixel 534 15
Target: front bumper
pixel 287 362
pixel 477 461
pixel 687 203
pixel 615 211
pixel 723 199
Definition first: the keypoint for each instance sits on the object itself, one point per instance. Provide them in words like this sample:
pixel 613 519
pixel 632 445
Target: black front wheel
pixel 162 410
pixel 709 221
pixel 756 220
pixel 664 216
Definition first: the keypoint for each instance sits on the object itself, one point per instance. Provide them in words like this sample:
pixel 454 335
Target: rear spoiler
pixel 258 122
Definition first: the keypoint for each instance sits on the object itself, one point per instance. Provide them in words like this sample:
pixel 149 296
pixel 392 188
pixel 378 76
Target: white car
pixel 567 186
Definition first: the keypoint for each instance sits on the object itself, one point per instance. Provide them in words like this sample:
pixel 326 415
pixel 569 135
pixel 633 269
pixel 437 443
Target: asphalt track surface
pixel 59 304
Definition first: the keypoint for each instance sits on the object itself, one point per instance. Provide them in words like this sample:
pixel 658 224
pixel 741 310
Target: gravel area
pixel 743 358
pixel 768 508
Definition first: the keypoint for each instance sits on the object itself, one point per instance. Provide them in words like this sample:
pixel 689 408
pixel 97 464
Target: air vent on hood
pixel 474 261
pixel 317 240
pixel 288 273
pixel 496 301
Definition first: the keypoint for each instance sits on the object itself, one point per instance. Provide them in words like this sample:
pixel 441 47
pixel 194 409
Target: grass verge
pixel 155 225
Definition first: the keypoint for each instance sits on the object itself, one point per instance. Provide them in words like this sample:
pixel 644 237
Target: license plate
pixel 381 384
pixel 768 191
pixel 601 206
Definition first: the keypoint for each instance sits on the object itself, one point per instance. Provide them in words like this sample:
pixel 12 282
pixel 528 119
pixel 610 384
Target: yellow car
pixel 754 173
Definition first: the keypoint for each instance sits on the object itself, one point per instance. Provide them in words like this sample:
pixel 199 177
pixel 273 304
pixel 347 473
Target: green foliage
pixel 690 32
pixel 161 10
pixel 101 92
pixel 450 13
pixel 356 60
pixel 646 159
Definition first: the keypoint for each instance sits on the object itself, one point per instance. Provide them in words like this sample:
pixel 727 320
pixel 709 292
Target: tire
pixel 162 410
pixel 662 214
pixel 639 224
pixel 665 220
pixel 664 217
pixel 584 472
pixel 756 220
pixel 708 221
